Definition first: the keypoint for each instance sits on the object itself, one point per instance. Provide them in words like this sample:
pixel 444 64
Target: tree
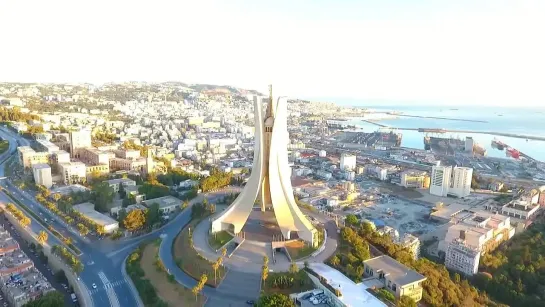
pixel 103 195
pixel 216 265
pixel 153 215
pixel 293 268
pixel 184 205
pixel 42 237
pixel 405 301
pixel 83 230
pixel 50 299
pixel 352 220
pixel 134 220
pixel 274 300
pixel 57 197
pixel 264 274
pixel 265 260
pixel 223 252
pixel 121 215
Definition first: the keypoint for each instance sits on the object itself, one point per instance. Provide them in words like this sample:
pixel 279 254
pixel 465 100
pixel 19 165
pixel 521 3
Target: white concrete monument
pixel 269 181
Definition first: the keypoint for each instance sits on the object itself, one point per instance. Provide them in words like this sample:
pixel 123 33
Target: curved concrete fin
pixel 301 224
pixel 238 212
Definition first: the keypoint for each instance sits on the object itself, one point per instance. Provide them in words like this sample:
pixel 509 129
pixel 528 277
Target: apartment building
pixel 24 287
pixel 94 170
pixel 461 181
pixel 348 162
pixel 137 164
pixel 73 172
pixel 93 156
pixel 440 180
pixel 167 204
pixel 411 243
pixel 462 257
pixel 28 157
pixel 471 232
pixel 47 146
pixel 79 139
pixel 42 174
pixel 14 262
pixel 415 179
pixel 116 183
pixel 127 153
pixel 395 277
pixel 521 209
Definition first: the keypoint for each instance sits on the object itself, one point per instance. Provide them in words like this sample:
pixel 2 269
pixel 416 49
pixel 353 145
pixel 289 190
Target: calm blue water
pixel 520 121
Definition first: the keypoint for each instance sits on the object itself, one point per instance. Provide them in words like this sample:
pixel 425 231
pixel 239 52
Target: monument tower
pixel 269 182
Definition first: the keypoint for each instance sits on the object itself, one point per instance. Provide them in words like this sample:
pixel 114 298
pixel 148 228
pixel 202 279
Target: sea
pixel 523 121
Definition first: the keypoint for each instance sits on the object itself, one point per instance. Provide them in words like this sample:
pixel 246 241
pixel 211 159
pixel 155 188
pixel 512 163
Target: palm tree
pixel 42 237
pixel 196 291
pixel 216 266
pixel 264 274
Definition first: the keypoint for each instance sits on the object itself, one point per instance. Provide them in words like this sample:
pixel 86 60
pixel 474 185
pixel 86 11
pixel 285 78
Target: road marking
pixel 112 297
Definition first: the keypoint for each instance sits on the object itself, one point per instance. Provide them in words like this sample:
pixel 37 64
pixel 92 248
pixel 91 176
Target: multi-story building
pixel 73 172
pixel 42 174
pixel 411 243
pixel 415 179
pixel 462 257
pixel 395 277
pixel 93 156
pixel 79 139
pixel 47 146
pixel 348 162
pixel 440 180
pixel 96 170
pixel 116 183
pixel 521 209
pixel 28 157
pixel 127 153
pixel 478 231
pixel 469 144
pixel 14 262
pixel 461 181
pixel 137 164
pixel 27 286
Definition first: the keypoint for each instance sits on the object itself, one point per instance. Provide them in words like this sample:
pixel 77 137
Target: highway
pixel 102 259
pixel 112 287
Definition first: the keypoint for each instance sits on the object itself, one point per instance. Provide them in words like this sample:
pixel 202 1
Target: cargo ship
pixel 513 153
pixel 498 144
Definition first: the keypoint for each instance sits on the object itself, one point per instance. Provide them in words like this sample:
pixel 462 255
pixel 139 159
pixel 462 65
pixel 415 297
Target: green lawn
pixel 299 249
pixel 219 239
pixel 287 283
pixel 4 145
pixel 191 262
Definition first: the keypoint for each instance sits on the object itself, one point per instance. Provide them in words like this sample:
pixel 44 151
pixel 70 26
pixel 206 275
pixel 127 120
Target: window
pixel 394 287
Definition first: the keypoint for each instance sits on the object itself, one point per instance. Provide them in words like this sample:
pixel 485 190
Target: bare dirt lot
pixel 171 292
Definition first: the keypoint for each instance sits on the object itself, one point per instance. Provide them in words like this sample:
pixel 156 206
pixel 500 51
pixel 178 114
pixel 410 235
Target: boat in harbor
pixel 498 144
pixel 513 153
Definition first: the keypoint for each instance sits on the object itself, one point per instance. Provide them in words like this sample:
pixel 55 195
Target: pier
pixel 442 118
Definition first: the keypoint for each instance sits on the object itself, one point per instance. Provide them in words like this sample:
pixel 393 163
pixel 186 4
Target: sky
pixel 463 52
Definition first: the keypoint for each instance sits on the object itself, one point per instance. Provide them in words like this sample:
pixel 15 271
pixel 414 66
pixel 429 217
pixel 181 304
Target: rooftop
pixel 40 166
pixel 30 282
pixel 164 202
pixel 66 190
pixel 120 180
pixel 88 209
pixel 14 261
pixel 353 295
pixel 395 271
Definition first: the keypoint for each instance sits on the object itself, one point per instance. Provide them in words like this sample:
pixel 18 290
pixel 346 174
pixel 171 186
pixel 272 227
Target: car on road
pixel 250 302
pixel 94 286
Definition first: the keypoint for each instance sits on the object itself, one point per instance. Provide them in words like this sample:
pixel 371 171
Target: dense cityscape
pixel 174 194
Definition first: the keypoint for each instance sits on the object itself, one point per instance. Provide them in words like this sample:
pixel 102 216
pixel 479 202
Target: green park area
pixel 188 259
pixel 218 239
pixel 4 145
pixel 156 287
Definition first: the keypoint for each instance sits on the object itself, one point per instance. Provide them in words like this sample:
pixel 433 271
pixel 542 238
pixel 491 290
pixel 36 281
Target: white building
pixel 462 257
pixel 348 162
pixel 42 174
pixel 88 210
pixel 469 144
pixel 322 153
pixel 73 172
pixel 116 183
pixel 440 180
pixel 461 181
pixel 79 139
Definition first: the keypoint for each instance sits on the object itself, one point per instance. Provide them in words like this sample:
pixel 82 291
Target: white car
pixel 94 286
